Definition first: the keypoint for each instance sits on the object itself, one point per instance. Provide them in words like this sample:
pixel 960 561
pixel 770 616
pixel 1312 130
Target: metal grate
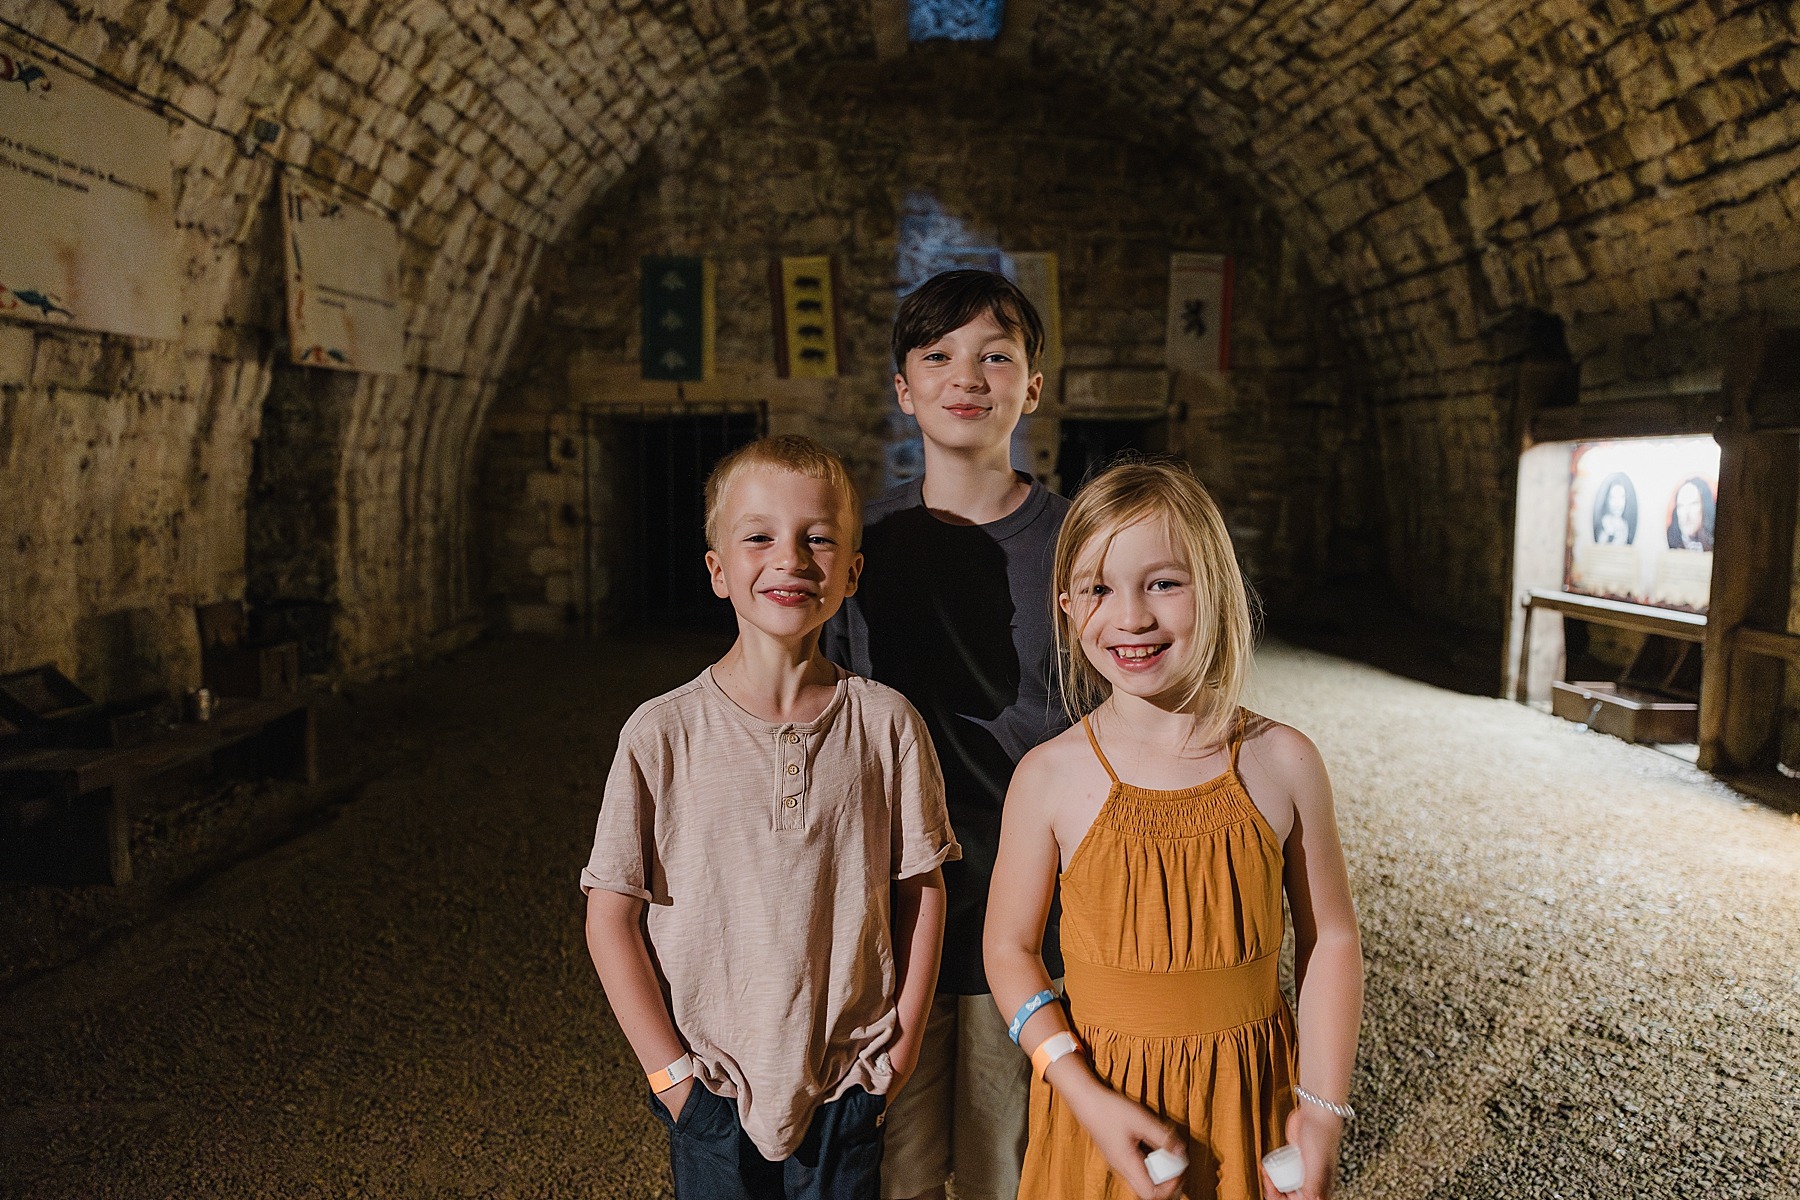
pixel 643 544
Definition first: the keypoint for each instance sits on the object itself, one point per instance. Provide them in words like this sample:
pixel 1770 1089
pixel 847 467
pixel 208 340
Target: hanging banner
pixel 343 282
pixel 87 221
pixel 1035 273
pixel 1641 520
pixel 806 324
pixel 1199 334
pixel 677 301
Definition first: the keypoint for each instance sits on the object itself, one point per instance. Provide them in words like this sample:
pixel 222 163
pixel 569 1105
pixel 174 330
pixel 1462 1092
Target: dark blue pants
pixel 839 1159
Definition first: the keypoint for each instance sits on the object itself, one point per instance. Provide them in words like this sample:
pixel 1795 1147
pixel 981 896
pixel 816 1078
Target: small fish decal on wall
pixel 30 76
pixel 44 302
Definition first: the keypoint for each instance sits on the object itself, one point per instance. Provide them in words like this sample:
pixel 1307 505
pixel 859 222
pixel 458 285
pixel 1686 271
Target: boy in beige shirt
pixel 739 886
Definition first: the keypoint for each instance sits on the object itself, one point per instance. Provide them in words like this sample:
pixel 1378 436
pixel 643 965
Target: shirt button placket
pixel 791 781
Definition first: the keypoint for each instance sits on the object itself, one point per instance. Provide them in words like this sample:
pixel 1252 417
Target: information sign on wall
pixel 1199 332
pixel 343 282
pixel 1641 519
pixel 87 224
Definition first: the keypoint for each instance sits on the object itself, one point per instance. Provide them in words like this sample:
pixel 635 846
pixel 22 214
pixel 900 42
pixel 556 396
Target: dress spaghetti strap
pixel 1101 754
pixel 1237 736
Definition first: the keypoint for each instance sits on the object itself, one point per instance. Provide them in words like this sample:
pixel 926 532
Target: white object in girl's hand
pixel 1286 1170
pixel 1164 1165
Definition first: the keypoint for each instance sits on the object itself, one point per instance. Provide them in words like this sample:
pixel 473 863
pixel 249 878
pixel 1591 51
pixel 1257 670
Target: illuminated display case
pixel 1641 518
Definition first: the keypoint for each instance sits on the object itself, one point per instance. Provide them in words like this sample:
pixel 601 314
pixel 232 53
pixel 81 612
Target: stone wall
pixel 1631 167
pixel 125 465
pixel 853 161
pixel 1426 170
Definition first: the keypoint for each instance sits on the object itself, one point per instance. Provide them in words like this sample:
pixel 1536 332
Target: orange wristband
pixel 1050 1049
pixel 661 1081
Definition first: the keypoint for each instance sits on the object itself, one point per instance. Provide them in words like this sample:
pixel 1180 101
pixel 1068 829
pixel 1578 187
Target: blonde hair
pixel 790 452
pixel 1213 672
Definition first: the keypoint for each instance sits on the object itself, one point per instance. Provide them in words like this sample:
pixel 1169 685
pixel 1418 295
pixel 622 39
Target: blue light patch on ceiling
pixel 955 20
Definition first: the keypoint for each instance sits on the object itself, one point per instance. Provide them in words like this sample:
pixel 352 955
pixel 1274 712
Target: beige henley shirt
pixel 765 852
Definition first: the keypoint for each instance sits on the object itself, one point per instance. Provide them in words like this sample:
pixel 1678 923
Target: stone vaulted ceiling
pixel 1628 167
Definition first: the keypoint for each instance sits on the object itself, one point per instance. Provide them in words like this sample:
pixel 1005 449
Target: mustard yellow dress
pixel 1171 935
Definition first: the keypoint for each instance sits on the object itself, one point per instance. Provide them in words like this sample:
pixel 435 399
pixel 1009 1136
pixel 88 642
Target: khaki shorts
pixel 962 1114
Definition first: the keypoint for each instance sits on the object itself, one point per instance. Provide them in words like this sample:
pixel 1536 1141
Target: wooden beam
pixel 1657 417
pixel 1753 546
pixel 1534 648
pixel 1018 22
pixel 1768 643
pixel 887 18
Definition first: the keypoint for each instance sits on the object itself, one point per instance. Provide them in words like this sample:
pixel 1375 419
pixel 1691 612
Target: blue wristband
pixel 1025 1010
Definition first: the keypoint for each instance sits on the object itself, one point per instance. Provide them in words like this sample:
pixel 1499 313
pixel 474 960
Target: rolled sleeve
pixel 624 835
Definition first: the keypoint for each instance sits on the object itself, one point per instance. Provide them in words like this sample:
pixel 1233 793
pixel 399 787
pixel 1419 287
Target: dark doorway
pixel 667 459
pixel 1087 447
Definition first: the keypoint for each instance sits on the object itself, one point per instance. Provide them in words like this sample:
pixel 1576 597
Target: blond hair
pixel 790 452
pixel 1212 673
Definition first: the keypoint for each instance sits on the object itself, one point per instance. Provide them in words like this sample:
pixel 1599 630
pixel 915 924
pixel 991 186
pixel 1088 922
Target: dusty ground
pixel 1584 965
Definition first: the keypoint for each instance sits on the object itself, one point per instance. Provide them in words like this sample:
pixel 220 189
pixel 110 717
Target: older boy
pixel 738 891
pixel 954 611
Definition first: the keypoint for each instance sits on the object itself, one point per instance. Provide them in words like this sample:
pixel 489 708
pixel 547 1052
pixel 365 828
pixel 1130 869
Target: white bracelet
pixel 1339 1110
pixel 682 1068
pixel 1051 1049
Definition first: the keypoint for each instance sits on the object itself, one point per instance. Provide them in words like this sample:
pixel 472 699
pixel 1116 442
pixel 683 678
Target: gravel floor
pixel 1584 965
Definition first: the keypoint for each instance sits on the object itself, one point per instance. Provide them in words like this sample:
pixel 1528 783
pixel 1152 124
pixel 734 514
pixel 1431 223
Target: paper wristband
pixel 661 1081
pixel 1025 1010
pixel 1056 1046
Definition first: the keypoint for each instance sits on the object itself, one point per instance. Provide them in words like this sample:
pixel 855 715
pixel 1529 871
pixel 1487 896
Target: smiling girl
pixel 1175 821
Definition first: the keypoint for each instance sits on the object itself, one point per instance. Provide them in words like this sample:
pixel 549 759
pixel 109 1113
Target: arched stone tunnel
pixel 1445 219
pixel 1408 191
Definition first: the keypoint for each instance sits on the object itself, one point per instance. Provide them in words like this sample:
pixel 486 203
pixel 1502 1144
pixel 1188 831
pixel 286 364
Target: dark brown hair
pixel 951 299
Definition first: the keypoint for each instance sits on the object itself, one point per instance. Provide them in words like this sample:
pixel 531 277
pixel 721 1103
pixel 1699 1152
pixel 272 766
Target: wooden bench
pixel 66 813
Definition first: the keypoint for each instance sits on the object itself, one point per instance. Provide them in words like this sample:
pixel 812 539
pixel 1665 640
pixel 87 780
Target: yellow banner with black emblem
pixel 806 326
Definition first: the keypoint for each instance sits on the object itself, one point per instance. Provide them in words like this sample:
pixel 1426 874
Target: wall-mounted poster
pixel 1641 518
pixel 87 223
pixel 343 272
pixel 1035 273
pixel 806 325
pixel 677 298
pixel 1199 333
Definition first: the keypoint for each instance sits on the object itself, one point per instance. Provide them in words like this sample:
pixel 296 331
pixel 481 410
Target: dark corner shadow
pixel 1367 623
pixel 1768 788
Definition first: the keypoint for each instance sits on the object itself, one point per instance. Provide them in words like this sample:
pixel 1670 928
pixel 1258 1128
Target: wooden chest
pixel 1626 712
